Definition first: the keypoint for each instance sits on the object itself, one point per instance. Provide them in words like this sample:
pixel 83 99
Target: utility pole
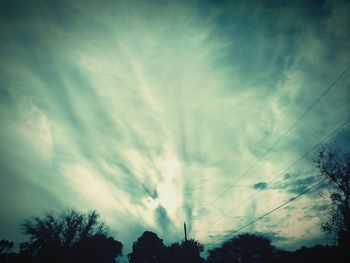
pixel 185 231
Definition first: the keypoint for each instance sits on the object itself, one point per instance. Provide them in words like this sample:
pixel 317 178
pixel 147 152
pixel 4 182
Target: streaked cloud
pixel 147 111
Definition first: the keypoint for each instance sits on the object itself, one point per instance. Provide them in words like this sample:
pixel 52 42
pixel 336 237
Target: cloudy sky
pixel 147 111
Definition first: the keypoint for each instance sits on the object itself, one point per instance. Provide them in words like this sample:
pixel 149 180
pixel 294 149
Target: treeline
pixel 256 248
pixel 76 237
pixel 70 236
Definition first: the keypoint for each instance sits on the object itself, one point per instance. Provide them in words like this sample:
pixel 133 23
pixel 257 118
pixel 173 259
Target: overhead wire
pixel 289 167
pixel 283 134
pixel 285 170
pixel 268 213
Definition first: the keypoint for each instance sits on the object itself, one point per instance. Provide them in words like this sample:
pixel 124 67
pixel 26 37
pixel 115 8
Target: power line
pixel 290 166
pixel 285 170
pixel 270 212
pixel 284 134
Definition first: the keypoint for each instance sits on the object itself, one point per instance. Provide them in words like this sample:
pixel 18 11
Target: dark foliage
pixel 69 237
pixel 151 249
pixel 243 248
pixel 148 248
pixel 335 165
pixel 5 246
pixel 187 251
pixel 319 254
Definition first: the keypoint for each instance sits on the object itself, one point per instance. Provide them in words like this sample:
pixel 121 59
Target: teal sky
pixel 147 110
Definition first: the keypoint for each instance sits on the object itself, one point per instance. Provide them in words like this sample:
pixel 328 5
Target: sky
pixel 149 111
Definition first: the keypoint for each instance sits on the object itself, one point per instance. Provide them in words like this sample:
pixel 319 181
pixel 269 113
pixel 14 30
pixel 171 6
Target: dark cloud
pixel 11 10
pixel 259 186
pixel 163 219
pixel 188 208
pixel 131 184
pixel 296 183
pixel 150 192
pixel 316 210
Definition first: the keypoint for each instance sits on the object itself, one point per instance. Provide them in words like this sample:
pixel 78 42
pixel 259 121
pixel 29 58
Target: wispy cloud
pixel 149 111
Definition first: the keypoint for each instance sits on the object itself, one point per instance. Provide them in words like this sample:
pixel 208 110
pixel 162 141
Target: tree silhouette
pixel 187 251
pixel 5 246
pixel 69 237
pixel 318 253
pixel 243 248
pixel 335 165
pixel 98 248
pixel 148 248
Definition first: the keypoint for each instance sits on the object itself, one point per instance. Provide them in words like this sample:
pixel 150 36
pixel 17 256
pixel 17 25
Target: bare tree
pixel 71 236
pixel 335 165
